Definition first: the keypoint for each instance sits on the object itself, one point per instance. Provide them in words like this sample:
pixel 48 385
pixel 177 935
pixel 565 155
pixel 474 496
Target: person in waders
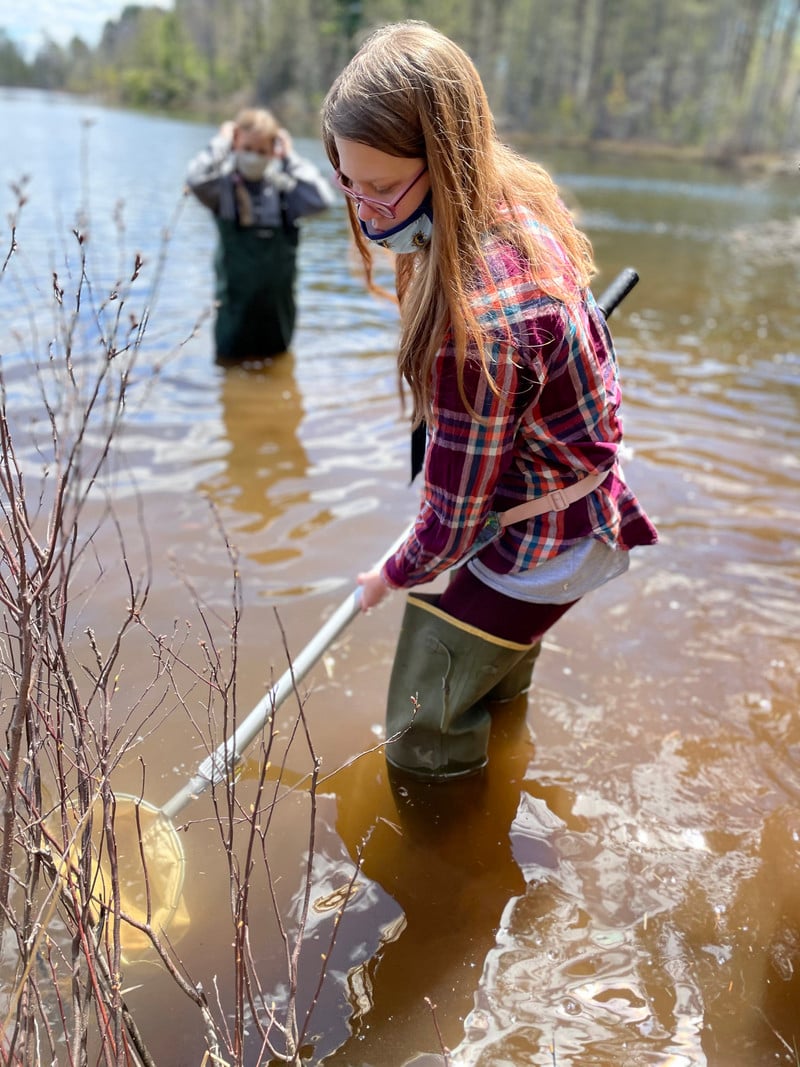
pixel 511 368
pixel 257 187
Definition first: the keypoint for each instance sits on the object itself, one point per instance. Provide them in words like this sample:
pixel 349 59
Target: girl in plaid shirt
pixel 509 364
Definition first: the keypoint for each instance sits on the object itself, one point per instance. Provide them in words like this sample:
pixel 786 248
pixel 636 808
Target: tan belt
pixel 555 501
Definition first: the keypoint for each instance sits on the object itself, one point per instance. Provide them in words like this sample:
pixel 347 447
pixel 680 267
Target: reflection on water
pixel 265 464
pixel 444 854
pixel 623 890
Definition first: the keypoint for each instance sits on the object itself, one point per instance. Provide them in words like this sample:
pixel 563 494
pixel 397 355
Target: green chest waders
pixel 256 268
pixel 445 675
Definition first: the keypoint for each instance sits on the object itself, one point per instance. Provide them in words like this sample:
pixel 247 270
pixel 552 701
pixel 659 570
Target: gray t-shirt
pixel 568 576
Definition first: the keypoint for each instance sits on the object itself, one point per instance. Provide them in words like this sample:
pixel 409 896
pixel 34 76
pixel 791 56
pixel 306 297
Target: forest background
pixel 718 79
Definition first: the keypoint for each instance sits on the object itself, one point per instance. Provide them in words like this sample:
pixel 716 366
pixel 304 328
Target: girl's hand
pixel 373 589
pixel 282 145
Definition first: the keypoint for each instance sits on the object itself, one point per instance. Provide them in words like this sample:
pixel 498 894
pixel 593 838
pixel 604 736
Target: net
pixel 151 866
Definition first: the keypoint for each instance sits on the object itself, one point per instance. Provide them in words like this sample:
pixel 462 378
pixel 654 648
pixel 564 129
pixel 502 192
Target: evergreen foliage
pixel 719 76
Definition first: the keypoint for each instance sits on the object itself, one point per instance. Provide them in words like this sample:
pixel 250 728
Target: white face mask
pixel 251 165
pixel 410 235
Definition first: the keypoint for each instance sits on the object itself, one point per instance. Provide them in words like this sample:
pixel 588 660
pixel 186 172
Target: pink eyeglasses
pixel 387 210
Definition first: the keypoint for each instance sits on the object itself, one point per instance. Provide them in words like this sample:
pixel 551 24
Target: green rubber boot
pixel 518 679
pixel 443 673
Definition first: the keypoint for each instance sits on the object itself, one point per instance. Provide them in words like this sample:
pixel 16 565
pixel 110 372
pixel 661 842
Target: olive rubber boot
pixel 518 679
pixel 443 671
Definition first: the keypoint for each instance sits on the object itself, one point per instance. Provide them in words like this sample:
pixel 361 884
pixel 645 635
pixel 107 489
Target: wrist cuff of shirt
pixel 385 579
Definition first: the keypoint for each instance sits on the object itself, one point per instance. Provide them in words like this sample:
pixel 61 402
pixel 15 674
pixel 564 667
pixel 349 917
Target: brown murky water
pixel 623 886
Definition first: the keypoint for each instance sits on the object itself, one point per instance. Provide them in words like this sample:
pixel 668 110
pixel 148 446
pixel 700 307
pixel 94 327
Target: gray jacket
pixel 291 183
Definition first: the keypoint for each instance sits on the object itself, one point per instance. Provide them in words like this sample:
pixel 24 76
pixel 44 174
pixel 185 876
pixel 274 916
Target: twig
pixel 444 1049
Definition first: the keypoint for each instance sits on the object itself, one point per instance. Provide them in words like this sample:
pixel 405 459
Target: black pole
pixel 617 291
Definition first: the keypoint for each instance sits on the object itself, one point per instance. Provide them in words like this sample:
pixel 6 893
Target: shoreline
pixel 302 123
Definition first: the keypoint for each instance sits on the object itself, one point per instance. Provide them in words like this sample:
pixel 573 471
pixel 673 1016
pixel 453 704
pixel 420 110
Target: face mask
pixel 410 235
pixel 251 165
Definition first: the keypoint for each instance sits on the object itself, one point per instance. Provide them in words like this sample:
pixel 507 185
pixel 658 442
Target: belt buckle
pixel 559 499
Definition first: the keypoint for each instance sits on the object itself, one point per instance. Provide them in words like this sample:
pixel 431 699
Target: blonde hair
pixel 263 125
pixel 259 121
pixel 412 92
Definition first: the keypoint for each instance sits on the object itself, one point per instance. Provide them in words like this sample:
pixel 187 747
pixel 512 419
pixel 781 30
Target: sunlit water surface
pixel 623 886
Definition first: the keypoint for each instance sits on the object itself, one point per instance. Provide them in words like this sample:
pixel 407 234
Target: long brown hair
pixel 412 92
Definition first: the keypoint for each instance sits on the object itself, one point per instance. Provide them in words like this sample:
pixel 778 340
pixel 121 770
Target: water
pixel 622 887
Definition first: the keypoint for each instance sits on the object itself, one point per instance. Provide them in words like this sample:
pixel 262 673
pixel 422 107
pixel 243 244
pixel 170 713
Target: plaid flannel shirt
pixel 554 420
